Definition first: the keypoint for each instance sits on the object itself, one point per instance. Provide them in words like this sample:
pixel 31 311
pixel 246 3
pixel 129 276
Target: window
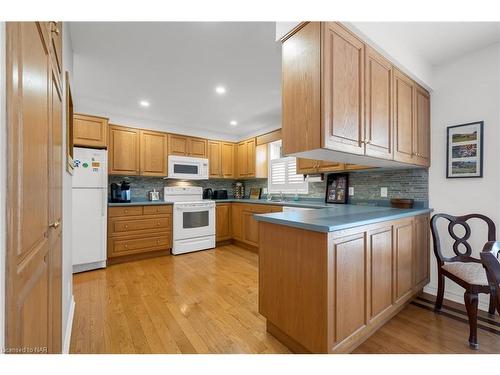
pixel 283 175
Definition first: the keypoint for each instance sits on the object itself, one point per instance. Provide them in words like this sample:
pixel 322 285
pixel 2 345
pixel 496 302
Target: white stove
pixel 193 221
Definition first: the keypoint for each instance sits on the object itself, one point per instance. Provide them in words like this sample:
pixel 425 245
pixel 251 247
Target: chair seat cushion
pixel 472 273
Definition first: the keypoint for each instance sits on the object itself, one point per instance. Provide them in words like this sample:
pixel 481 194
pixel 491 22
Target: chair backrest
pixel 489 258
pixel 464 256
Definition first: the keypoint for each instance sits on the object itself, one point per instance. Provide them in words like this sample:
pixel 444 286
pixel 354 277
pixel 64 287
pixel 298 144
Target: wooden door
pixel 34 189
pixel 55 37
pixel 421 137
pixel 197 147
pixel 381 266
pixel 250 157
pixel 90 131
pixel 242 159
pixel 153 153
pixel 123 153
pixel 403 252
pixel 343 89
pixel 214 159
pixel 237 221
pixel 350 297
pixel 227 160
pixel 421 230
pixel 378 97
pixel 404 91
pixel 223 221
pixel 306 166
pixel 177 145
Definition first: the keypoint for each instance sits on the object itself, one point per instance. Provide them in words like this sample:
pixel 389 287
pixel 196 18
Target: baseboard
pixel 69 327
pixel 459 298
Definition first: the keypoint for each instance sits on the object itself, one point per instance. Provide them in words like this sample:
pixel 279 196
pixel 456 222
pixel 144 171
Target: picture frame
pixel 336 188
pixel 464 150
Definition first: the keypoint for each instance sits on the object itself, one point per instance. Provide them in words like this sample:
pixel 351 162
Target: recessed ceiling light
pixel 144 103
pixel 221 90
pixel 233 123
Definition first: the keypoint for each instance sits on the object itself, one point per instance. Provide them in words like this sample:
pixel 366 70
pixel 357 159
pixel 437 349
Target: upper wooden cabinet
pixel 310 166
pixel 90 131
pixel 123 153
pixel 54 34
pixel 378 105
pixel 346 102
pixel 214 159
pixel 187 146
pixel 153 153
pixel 221 157
pixel 228 155
pixel 421 137
pixel 246 159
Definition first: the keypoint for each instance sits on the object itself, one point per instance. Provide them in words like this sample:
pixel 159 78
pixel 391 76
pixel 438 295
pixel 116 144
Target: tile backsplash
pixel 400 183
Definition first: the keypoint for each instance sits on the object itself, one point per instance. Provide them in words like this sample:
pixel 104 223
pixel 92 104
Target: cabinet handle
pixel 54 29
pixel 126 211
pixel 54 225
pixel 126 246
pixel 157 242
pixel 126 226
pixel 158 224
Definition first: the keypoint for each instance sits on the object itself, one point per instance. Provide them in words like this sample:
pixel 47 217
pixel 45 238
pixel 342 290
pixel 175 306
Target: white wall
pixel 3 158
pixel 466 90
pixel 67 262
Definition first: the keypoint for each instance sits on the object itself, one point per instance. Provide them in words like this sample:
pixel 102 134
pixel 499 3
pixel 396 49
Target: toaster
pixel 220 194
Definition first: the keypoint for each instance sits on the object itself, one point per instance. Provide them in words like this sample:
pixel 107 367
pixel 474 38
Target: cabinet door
pixel 237 221
pixel 197 147
pixel 90 131
pixel 403 250
pixel 306 166
pixel 261 161
pixel 242 156
pixel 404 91
pixel 422 244
pixel 177 145
pixel 250 228
pixel 421 140
pixel 250 144
pixel 381 263
pixel 227 160
pixel 223 221
pixel 55 31
pixel 123 151
pixel 343 90
pixel 153 158
pixel 214 159
pixel 378 91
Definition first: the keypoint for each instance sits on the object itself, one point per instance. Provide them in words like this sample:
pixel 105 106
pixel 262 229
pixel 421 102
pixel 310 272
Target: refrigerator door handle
pixel 104 202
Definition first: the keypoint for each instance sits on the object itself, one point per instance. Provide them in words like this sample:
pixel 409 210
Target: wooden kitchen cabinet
pixel 138 231
pixel 221 157
pixel 123 153
pixel 54 32
pixel 403 249
pixel 246 159
pixel 310 166
pixel 378 104
pixel 223 222
pixel 214 159
pixel 346 102
pixel 421 136
pixel 187 146
pixel 228 156
pixel 404 117
pixel 153 153
pixel 90 131
pixel 237 221
pixel 422 251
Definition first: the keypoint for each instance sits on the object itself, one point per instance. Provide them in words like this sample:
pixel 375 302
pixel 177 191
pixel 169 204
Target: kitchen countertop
pixel 140 202
pixel 304 203
pixel 339 217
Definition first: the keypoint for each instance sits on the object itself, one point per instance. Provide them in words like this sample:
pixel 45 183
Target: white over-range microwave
pixel 187 168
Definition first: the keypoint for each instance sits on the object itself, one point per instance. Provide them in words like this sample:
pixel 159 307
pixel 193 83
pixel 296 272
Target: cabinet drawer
pixel 125 246
pixel 125 211
pixel 153 210
pixel 161 224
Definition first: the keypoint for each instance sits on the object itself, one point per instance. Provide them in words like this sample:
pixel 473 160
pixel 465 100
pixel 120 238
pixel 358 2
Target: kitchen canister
pixel 238 190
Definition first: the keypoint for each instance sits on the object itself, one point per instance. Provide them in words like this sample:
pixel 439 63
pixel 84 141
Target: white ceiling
pixel 176 67
pixel 440 42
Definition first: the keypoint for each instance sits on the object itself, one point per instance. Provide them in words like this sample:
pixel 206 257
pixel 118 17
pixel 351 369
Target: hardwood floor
pixel 206 302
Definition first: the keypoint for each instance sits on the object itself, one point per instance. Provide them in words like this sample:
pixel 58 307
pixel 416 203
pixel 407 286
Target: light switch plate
pixel 351 191
pixel 383 192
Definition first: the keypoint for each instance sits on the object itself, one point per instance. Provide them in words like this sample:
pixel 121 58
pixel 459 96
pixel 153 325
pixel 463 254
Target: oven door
pixel 187 168
pixel 192 220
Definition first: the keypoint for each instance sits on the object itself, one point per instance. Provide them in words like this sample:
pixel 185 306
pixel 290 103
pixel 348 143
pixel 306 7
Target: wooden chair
pixel 466 271
pixel 490 259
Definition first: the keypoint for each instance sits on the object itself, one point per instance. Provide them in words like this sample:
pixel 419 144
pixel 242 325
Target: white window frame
pixel 291 184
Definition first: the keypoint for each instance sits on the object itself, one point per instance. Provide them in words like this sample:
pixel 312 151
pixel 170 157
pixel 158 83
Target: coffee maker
pixel 120 193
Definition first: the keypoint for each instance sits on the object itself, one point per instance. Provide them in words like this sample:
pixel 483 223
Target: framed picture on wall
pixel 465 150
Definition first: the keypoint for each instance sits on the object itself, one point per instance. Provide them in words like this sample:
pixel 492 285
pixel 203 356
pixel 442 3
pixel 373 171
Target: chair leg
pixel 492 307
pixel 440 293
pixel 471 301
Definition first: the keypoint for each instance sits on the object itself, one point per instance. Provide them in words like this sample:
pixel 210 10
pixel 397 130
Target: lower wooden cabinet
pixel 138 230
pixel 336 288
pixel 223 221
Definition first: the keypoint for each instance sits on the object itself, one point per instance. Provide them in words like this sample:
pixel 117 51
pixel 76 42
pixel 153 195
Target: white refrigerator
pixel 90 203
